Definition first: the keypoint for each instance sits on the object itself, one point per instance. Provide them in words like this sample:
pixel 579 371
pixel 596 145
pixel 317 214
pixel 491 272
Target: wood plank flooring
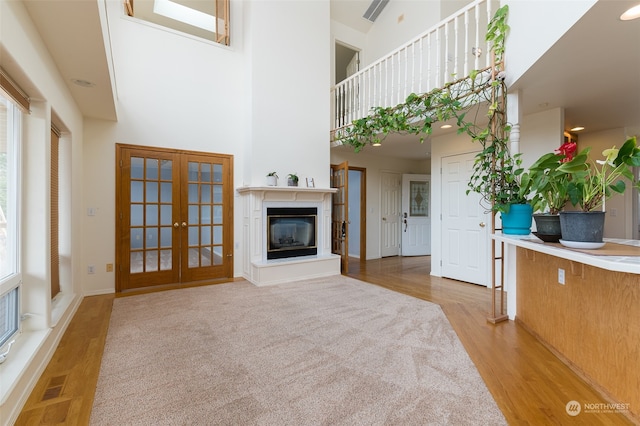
pixel 530 384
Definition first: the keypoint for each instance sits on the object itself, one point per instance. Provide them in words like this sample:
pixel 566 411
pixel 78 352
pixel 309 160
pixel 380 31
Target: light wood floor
pixel 530 385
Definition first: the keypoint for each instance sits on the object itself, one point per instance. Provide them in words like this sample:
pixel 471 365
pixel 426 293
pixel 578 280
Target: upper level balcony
pixel 443 54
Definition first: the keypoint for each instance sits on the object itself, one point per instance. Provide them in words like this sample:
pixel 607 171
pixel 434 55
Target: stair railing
pixel 444 53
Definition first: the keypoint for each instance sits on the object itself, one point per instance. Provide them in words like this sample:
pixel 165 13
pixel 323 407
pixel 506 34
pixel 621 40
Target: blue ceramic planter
pixel 518 220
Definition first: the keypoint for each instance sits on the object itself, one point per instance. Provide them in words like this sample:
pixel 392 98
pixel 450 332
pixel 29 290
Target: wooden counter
pixel 592 321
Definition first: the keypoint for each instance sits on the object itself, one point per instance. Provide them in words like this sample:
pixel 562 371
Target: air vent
pixel 374 9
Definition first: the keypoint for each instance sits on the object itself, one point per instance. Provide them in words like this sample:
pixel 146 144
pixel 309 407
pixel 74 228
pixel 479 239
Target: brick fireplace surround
pixel 255 266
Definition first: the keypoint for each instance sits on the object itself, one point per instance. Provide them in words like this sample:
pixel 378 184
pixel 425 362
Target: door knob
pixel 482 225
pixel 175 225
pixel 384 218
pixel 184 224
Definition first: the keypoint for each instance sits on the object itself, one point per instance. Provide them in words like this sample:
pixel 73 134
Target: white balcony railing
pixel 446 52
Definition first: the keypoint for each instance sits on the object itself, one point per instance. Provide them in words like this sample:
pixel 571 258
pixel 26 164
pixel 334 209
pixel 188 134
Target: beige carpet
pixel 332 351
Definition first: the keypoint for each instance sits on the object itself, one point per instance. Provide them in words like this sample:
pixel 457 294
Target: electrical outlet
pixel 561 276
pixel 91 269
pixel 109 267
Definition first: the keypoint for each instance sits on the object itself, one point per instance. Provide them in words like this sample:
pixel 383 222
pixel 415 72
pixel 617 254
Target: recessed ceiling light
pixel 632 13
pixel 577 129
pixel 376 144
pixel 445 126
pixel 82 83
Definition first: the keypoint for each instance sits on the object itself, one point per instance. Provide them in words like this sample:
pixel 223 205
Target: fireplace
pixel 302 217
pixel 291 232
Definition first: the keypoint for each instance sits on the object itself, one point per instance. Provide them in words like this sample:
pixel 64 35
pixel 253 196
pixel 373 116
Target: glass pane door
pixel 208 217
pixel 150 219
pixel 176 217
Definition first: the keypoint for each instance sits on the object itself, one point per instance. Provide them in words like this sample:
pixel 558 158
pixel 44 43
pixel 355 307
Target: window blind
pixel 13 91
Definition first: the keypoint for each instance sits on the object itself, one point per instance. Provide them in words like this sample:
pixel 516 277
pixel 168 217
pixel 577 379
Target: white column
pixel 514 115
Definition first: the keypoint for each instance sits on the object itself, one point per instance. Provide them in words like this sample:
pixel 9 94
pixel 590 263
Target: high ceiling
pixel 593 72
pixel 596 63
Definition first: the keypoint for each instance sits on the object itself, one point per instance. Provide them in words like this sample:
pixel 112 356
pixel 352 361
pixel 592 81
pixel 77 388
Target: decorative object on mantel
pixel 292 179
pixel 272 179
pixel 310 183
pixel 590 185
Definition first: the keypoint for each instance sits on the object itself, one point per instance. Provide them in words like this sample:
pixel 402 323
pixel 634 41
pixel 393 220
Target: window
pixel 206 19
pixel 55 223
pixel 9 215
pixel 8 315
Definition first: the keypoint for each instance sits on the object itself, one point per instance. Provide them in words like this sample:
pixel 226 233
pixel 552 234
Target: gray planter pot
pixel 582 226
pixel 548 227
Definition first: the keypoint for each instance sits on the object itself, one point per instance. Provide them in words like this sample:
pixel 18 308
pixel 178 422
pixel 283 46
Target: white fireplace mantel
pixel 255 266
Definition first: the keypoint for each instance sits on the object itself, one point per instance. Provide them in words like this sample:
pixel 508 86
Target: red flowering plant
pixel 549 185
pixel 590 183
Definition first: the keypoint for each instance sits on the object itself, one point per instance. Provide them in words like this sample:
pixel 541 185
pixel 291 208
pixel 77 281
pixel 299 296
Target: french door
pixel 174 217
pixel 340 215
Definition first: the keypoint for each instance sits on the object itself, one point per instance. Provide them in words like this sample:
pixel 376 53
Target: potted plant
pixel 292 179
pixel 499 178
pixel 590 184
pixel 272 179
pixel 549 189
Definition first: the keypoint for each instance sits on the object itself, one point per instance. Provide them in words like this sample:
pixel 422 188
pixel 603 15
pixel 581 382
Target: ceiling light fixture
pixel 82 83
pixel 446 126
pixel 577 128
pixel 376 144
pixel 632 13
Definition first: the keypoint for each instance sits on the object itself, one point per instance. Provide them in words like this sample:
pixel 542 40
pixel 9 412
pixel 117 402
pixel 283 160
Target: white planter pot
pixel 272 181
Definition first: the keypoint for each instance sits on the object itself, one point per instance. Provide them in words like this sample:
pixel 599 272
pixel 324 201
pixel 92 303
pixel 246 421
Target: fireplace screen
pixel 291 232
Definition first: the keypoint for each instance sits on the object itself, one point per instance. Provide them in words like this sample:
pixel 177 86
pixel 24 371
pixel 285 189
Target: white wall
pixel 522 48
pixel 263 100
pixel 26 59
pixel 288 46
pixel 387 33
pixel 541 133
pixel 619 208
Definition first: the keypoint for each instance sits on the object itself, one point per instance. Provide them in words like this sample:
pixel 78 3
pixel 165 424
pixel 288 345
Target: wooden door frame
pixel 340 229
pixel 228 212
pixel 363 211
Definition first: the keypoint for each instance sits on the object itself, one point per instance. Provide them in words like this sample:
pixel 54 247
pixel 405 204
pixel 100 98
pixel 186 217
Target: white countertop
pixel 628 264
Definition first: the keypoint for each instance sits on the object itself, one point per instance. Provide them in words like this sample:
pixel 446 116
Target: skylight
pixel 185 14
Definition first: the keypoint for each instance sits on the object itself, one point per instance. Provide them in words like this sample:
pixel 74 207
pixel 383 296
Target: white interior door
pixel 390 204
pixel 466 253
pixel 416 220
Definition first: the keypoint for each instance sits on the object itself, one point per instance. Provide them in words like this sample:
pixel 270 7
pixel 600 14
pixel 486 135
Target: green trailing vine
pixel 497 175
